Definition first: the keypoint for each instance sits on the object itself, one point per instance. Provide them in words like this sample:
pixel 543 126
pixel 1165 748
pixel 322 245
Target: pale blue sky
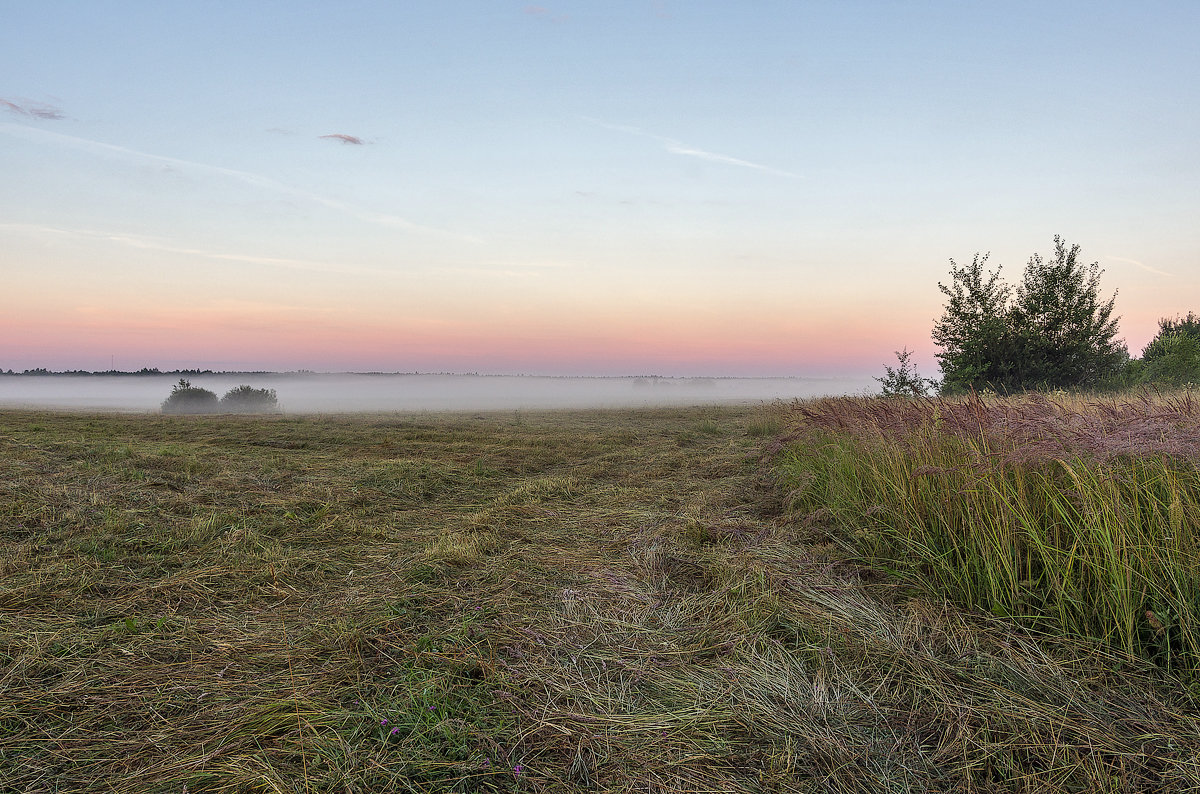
pixel 597 188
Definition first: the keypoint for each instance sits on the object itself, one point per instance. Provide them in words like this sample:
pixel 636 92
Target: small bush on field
pixel 247 400
pixel 188 399
pixel 904 380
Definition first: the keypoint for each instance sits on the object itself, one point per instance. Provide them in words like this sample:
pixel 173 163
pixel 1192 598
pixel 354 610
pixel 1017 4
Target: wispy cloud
pixel 1141 265
pixel 483 267
pixel 30 109
pixel 544 13
pixel 344 138
pixel 244 177
pixel 675 146
pixel 146 243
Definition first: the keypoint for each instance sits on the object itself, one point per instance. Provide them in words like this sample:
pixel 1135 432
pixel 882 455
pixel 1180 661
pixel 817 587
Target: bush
pixel 1167 327
pixel 188 399
pixel 1054 332
pixel 1176 361
pixel 904 381
pixel 247 400
pixel 1173 356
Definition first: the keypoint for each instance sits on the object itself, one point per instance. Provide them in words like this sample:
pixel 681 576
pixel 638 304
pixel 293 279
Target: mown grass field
pixel 571 601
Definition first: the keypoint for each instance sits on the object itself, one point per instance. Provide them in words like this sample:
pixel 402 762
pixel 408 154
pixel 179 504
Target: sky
pixel 576 188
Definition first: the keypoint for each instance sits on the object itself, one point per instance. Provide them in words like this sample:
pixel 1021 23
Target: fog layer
pixel 315 393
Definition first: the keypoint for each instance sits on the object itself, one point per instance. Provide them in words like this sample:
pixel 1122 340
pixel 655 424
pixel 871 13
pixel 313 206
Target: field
pixel 699 600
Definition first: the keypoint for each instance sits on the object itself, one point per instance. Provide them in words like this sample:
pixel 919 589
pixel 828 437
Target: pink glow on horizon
pixel 246 337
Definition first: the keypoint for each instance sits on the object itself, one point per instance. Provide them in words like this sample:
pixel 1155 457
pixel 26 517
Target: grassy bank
pixel 1071 516
pixel 585 601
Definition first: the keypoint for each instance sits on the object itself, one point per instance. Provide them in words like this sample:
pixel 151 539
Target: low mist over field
pixel 320 393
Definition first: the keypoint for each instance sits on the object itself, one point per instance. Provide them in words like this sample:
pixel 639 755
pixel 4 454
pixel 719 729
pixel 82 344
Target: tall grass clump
pixel 1068 515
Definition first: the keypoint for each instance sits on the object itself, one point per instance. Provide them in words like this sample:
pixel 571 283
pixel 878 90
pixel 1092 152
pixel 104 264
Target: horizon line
pixel 154 371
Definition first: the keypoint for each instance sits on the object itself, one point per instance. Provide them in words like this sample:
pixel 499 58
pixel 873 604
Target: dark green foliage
pixel 188 399
pixel 975 331
pixel 1066 333
pixel 904 380
pixel 248 400
pixel 1130 376
pixel 1176 361
pixel 1179 326
pixel 1054 332
pixel 1173 356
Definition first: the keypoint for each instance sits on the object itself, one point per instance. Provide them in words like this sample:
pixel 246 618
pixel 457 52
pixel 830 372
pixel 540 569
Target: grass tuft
pixel 1072 517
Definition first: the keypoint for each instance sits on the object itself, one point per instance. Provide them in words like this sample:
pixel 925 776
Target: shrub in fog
pixel 247 400
pixel 904 381
pixel 188 399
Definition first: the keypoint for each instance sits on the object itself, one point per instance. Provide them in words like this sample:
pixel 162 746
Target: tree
pixel 1186 326
pixel 1066 333
pixel 1055 332
pixel 904 381
pixel 974 330
pixel 1177 363
pixel 1167 328
pixel 1173 356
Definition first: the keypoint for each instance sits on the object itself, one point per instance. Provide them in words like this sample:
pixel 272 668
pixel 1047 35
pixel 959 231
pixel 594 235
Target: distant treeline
pixel 42 371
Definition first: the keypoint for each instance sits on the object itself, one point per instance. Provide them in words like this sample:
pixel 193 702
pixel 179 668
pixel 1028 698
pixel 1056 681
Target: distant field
pixel 350 392
pixel 625 600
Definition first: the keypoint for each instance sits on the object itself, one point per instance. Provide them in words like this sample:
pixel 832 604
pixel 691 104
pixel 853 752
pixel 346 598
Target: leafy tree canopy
pixel 974 331
pixel 1173 356
pixel 1053 331
pixel 1171 327
pixel 1066 332
pixel 1177 362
